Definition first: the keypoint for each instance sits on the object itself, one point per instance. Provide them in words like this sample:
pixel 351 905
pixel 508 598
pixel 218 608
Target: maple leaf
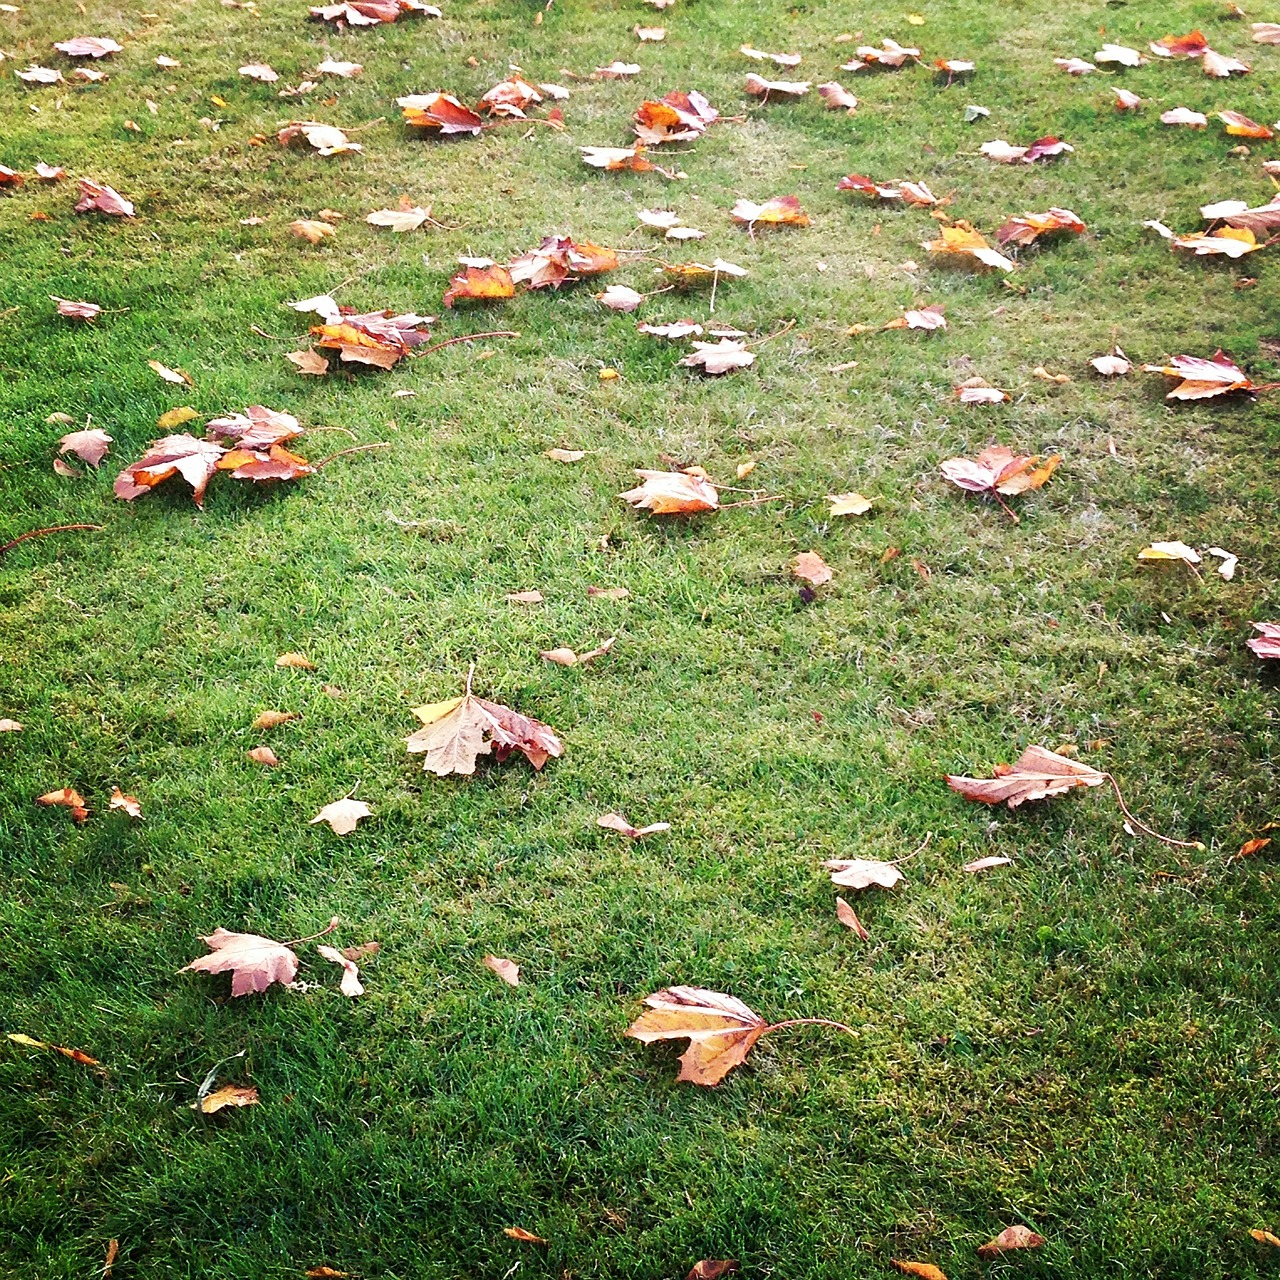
pixel 778 211
pixel 812 568
pixel 1016 1237
pixel 690 274
pixel 1220 66
pixel 1264 219
pixel 721 1030
pixel 1192 45
pixel 90 445
pixel 1231 242
pixel 679 117
pixel 1265 32
pixel 89 47
pixel 326 139
pixel 674 331
pixel 780 59
pixel 255 962
pixel 979 391
pixel 961 242
pixel 616 822
pixel 759 87
pixel 308 362
pixel 616 159
pixel 257 428
pixel 439 112
pixel 87 311
pixel 921 1270
pixel 1114 364
pixel 194 460
pixel 1031 226
pixel 848 504
pixel 862 873
pixel 719 357
pixel 1000 471
pixel 713 1269
pixel 510 98
pixel 1240 126
pixel 129 804
pixel 378 338
pixel 230 1095
pixel 1202 379
pixel 507 970
pixel 1166 551
pixel 672 493
pixel 484 284
pixel 343 815
pixel 1266 644
pixel 458 730
pixel 837 97
pixel 891 54
pixel 1075 66
pixel 99 198
pixel 403 219
pixel 368 13
pixel 1037 774
pixel 351 984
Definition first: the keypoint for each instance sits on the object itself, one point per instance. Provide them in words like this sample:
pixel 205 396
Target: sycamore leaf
pixel 99 198
pixel 351 984
pixel 439 112
pixel 998 469
pixel 1127 100
pixel 862 873
pixel 1266 644
pixel 230 1095
pixel 927 318
pixel 1264 220
pixel 1240 126
pixel 719 357
pixel 308 362
pixel 1230 241
pixel 616 822
pixel 255 962
pixel 617 297
pixel 812 568
pixel 979 391
pixel 130 804
pixel 721 1030
pixel 1220 66
pixel 1037 774
pixel 507 970
pixel 1031 226
pixel 849 918
pixel 672 493
pixel 484 284
pixel 399 220
pixel 955 66
pixel 961 242
pixel 1192 45
pixel 890 54
pixel 1120 55
pixel 89 47
pixel 1202 379
pixel 1075 66
pixel 40 75
pixel 326 139
pixel 89 446
pixel 779 59
pixel 343 815
pixel 377 338
pixel 776 212
pixel 194 460
pixel 261 72
pixel 837 97
pixel 617 158
pixel 1016 1237
pixel 510 98
pixel 689 274
pixel 759 87
pixel 1184 115
pixel 848 504
pixel 457 731
pixel 87 311
pixel 369 13
pixel 678 117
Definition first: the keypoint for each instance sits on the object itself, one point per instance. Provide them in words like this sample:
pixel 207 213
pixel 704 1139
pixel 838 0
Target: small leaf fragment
pixel 507 970
pixel 343 815
pixel 849 918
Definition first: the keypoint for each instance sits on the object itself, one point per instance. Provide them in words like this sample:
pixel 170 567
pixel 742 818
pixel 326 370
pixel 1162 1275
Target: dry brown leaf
pixel 759 87
pixel 507 970
pixel 672 493
pixel 616 822
pixel 1202 379
pixel 343 815
pixel 351 984
pixel 986 864
pixel 519 1233
pixel 713 1269
pixel 921 1270
pixel 309 362
pixel 1037 774
pixel 849 918
pixel 1031 226
pixel 65 798
pixel 812 568
pixel 525 597
pixel 1251 847
pixel 230 1095
pixel 719 357
pixel 862 873
pixel 961 242
pixel 12 726
pixel 312 230
pixel 776 212
pixel 1265 1237
pixel 177 376
pixel 99 198
pixel 1015 1237
pixel 1113 365
pixel 87 311
pixel 270 719
pixel 297 660
pixel 440 113
pixel 564 455
pixel 1000 471
pixel 848 504
pixel 458 730
pixel 109 1262
pixel 255 962
pixel 608 593
pixel 129 804
pixel 568 658
pixel 89 446
pixel 1166 551
pixel 263 755
pixel 721 1030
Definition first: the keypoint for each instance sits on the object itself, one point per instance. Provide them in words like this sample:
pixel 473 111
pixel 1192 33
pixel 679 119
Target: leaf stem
pixel 924 844
pixel 810 1022
pixel 753 502
pixel 342 453
pixel 468 337
pixel 329 928
pixel 1142 826
pixel 40 533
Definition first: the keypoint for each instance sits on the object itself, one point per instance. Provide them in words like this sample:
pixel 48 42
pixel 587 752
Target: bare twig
pixel 342 453
pixel 924 844
pixel 468 337
pixel 1142 826
pixel 777 333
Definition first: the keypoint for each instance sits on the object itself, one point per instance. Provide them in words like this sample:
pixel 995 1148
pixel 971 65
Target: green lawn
pixel 1085 1041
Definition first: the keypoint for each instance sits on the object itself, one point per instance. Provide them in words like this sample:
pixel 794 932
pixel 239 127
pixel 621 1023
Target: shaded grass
pixel 1085 1041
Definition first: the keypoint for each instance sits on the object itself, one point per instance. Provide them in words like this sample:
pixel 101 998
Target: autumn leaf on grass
pixel 230 1095
pixel 264 756
pixel 457 731
pixel 351 984
pixel 713 1269
pixel 912 193
pixel 12 726
pixel 343 815
pixel 779 59
pixel 812 568
pixel 1201 379
pixel 1240 126
pixel 40 75
pixel 65 798
pixel 87 311
pixel 130 804
pixel 687 275
pixel 979 391
pixel 759 87
pixel 559 259
pixel 194 460
pixel 510 98
pixel 849 918
pixel 862 873
pixel 719 357
pixel 1075 66
pixel 312 230
pixel 344 70
pixel 721 1030
pixel 1220 66
pixel 848 504
pixel 1113 365
pixel 961 242
pixel 368 13
pixel 567 658
pixel 439 112
pixel 920 1270
pixel 1263 220
pixel 837 98
pixel 507 970
pixel 255 962
pixel 480 284
pixel 1231 242
pixel 377 338
pixel 1126 99
pixel 1016 1237
pixel 519 1233
pixel 1171 551
pixel 90 445
pixel 1044 148
pixel 954 66
pixel 1031 226
pixel 326 139
pixel 261 72
pixel 679 117
pixel 76 1055
pixel 631 159
pixel 1266 644
pixel 1191 45
pixel 780 211
pixel 405 217
pixel 672 493
pixel 986 864
pixel 99 198
pixel 616 822
pixel 617 297
pixel 89 47
pixel 1038 773
pixel 926 318
pixel 998 470
pixel 890 54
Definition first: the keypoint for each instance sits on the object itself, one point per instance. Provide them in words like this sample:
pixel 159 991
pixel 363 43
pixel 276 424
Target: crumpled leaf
pixel 1263 220
pixel 90 445
pixel 130 804
pixel 1075 66
pixel 261 72
pixel 312 230
pixel 849 918
pixel 1184 115
pixel 1240 126
pixel 616 822
pixel 568 658
pixel 1219 65
pixel 230 1095
pixel 926 318
pixel 890 54
pixel 961 242
pixel 378 338
pixel 1042 149
pixel 779 59
pixel 998 469
pixel 1119 55
pixel 343 816
pixel 368 13
pixel 439 112
pixel 345 70
pixel 405 218
pixel 1037 774
pixel 87 311
pixel 1031 226
pixel 862 873
pixel 255 962
pixel 689 274
pixel 1113 365
pixel 778 211
pixel 848 504
pixel 1170 551
pixel 89 47
pixel 617 70
pixel 559 259
pixel 1126 99
pixel 351 984
pixel 672 493
pixel 1201 379
pixel 759 87
pixel 1266 644
pixel 719 357
pixel 837 97
pixel 481 284
pixel 457 731
pixel 1015 1237
pixel 618 297
pixel 812 568
pixel 98 198
pixel 921 1270
pixel 326 139
pixel 713 1269
pixel 65 798
pixel 721 1030
pixel 678 117
pixel 913 193
pixel 194 460
pixel 616 159
pixel 263 755
pixel 12 726
pixel 519 1233
pixel 40 75
pixel 507 970
pixel 510 98
pixel 1230 241
pixel 986 864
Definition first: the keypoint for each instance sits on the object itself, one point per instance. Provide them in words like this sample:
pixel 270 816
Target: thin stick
pixel 924 844
pixel 360 448
pixel 1142 826
pixel 1008 510
pixel 715 281
pixel 759 342
pixel 468 337
pixel 754 502
pixel 329 928
pixel 40 533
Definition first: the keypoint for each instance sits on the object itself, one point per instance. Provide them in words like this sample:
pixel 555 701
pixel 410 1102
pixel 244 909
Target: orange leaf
pixel 1015 1237
pixel 67 798
pixel 1038 773
pixel 721 1030
pixel 519 1233
pixel 810 566
pixel 921 1270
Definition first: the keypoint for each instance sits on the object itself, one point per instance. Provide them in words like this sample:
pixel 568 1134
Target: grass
pixel 1085 1041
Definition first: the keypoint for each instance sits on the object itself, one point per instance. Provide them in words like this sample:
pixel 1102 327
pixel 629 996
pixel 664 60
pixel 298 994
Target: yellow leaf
pixel 434 711
pixel 175 418
pixel 848 504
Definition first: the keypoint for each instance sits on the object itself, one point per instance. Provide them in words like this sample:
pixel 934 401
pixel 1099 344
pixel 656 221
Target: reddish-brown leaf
pixel 1037 774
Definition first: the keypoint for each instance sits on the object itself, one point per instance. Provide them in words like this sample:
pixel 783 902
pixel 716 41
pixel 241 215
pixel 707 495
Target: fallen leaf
pixel 1229 241
pixel 759 87
pixel 617 297
pixel 519 1233
pixel 1201 379
pixel 713 1269
pixel 721 1030
pixel 458 730
pixel 399 220
pixel 649 34
pixel 324 139
pixel 999 470
pixel 1113 365
pixel 1253 846
pixel 90 445
pixel 89 47
pixel 312 230
pixel 485 284
pixel 1191 45
pixel 40 75
pixel 441 113
pixel 1015 1237
pixel 678 117
pixel 270 719
pixel 862 873
pixel 230 1095
pixel 263 755
pixel 1031 226
pixel 76 1055
pixel 346 70
pixel 12 726
pixel 49 172
pixel 1170 551
pixel 961 241
pixel 672 493
pixel 1075 66
pixel 780 59
pixel 776 212
pixel 1037 774
pixel 309 362
pixel 986 864
pixel 1119 54
pixel 616 822
pixel 88 311
pixel 343 815
pixel 849 918
pixel 890 54
pixel 261 72
pixel 617 70
pixel 979 391
pixel 67 798
pixel 837 97
pixel 1240 126
pixel 848 504
pixel 176 417
pixel 567 657
pixel 129 804
pixel 921 1270
pixel 1265 1237
pixel 525 597
pixel 617 159
pixel 1227 569
pixel 351 984
pixel 1127 100
pixel 507 970
pixel 674 331
pixel 719 357
pixel 608 593
pixel 688 274
pixel 1184 115
pixel 812 568
pixel 108 1264
pixel 255 962
pixel 955 66
pixel 99 198
pixel 1220 66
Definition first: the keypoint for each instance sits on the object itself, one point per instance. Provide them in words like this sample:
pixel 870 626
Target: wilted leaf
pixel 616 822
pixel 480 283
pixel 343 815
pixel 40 75
pixel 812 568
pixel 89 47
pixel 263 755
pixel 608 593
pixel 926 318
pixel 129 804
pixel 1266 644
pixel 76 1055
pixel 1230 241
pixel 1031 226
pixel 713 1269
pixel 961 241
pixel 260 71
pixel 1016 1237
pixel 890 54
pixel 678 117
pixel 778 211
pixel 837 97
pixel 1075 66
pixel 617 297
pixel 1201 379
pixel 719 357
pixel 230 1095
pixel 999 470
pixel 325 139
pixel 848 504
pixel 1113 365
pixel 309 361
pixel 400 220
pixel 979 391
pixel 12 726
pixel 849 918
pixel 631 159
pixel 1240 126
pixel 98 198
pixel 862 873
pixel 270 719
pixel 351 984
pixel 568 658
pixel 986 864
pixel 1037 774
pixel 721 1030
pixel 346 70
pixel 672 493
pixel 759 87
pixel 507 970
pixel 1127 100
pixel 688 274
pixel 1170 551
pixel 439 112
pixel 89 446
pixel 921 1270
pixel 255 962
pixel 377 338
pixel 1220 66
pixel 519 1233
pixel 458 730
pixel 1251 847
pixel 779 59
